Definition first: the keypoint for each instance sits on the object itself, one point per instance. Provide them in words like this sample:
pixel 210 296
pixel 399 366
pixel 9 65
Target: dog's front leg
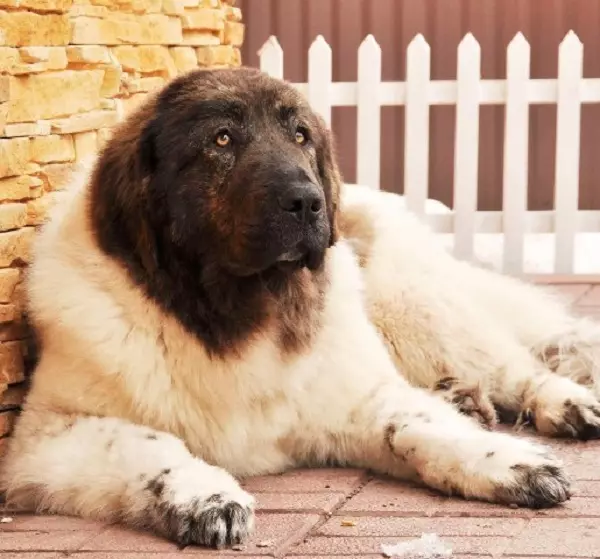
pixel 112 470
pixel 406 432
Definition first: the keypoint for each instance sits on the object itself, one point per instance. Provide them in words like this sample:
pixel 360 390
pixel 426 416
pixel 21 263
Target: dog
pixel 211 304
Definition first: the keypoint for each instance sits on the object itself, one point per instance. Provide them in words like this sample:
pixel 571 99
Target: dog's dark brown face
pixel 216 195
pixel 237 163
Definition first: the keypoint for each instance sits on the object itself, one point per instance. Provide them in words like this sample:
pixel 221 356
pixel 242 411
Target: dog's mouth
pixel 291 255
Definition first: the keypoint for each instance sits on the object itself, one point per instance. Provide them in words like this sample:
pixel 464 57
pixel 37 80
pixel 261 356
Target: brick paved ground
pixel 317 514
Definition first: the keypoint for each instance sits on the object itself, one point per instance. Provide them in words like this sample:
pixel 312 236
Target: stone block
pixel 52 149
pixel 54 94
pixel 200 38
pixel 18 188
pixel 9 277
pixel 84 122
pixel 215 55
pixel 15 247
pixel 88 54
pixel 86 144
pixel 56 176
pixel 184 58
pixel 14 156
pixel 12 216
pixel 203 20
pixel 46 5
pixel 12 369
pixel 31 29
pixel 39 128
pixel 234 33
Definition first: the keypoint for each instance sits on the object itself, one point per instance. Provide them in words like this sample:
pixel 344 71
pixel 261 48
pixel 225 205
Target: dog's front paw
pixel 524 474
pixel 192 511
pixel 562 408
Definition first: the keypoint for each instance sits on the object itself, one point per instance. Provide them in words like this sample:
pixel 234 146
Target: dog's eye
pixel 223 139
pixel 301 136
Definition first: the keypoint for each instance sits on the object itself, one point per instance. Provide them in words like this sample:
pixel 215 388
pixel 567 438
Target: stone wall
pixel 70 69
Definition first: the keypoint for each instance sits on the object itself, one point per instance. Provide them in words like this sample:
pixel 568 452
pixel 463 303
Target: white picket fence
pixel 513 227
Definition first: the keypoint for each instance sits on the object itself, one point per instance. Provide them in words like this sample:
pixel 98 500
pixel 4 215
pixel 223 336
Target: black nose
pixel 304 200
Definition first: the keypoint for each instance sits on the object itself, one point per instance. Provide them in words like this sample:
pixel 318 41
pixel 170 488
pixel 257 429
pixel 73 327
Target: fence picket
pixel 466 146
pixel 271 58
pixel 416 131
pixel 368 133
pixel 516 133
pixel 319 78
pixel 568 119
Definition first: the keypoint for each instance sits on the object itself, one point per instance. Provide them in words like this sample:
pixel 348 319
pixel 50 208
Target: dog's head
pixel 231 168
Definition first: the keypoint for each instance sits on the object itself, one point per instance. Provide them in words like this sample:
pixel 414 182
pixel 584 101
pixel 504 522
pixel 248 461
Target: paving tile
pixel 591 297
pixel 328 546
pixel 225 554
pixel 558 537
pixel 30 555
pixel 414 527
pixel 307 481
pixel 49 523
pixel 278 530
pixel 43 541
pixel 298 502
pixel 119 538
pixel 572 292
pixel 393 498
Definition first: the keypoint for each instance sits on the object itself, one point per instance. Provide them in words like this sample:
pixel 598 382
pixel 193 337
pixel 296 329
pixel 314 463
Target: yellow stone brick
pixel 14 156
pixel 147 84
pixel 237 57
pixel 212 56
pixel 15 247
pixel 57 59
pixel 54 94
pixel 28 28
pixel 86 144
pixel 88 54
pixel 145 58
pixel 18 188
pixel 95 31
pixel 9 277
pixel 12 216
pixel 34 54
pixel 200 38
pixel 57 176
pixel 173 7
pixel 184 58
pixel 84 122
pixel 52 149
pixel 12 367
pixel 111 84
pixel 159 29
pixel 4 89
pixel 234 33
pixel 146 6
pixel 9 57
pixel 25 69
pixel 37 210
pixel 39 128
pixel 233 14
pixel 46 5
pixel 9 3
pixel 87 10
pixel 205 19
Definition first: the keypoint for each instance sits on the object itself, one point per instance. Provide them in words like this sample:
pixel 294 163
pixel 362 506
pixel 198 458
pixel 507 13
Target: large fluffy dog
pixel 200 317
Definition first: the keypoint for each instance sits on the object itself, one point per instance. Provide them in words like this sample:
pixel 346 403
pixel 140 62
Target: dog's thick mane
pixel 223 311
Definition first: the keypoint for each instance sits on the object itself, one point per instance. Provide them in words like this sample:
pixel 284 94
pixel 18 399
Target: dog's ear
pixel 330 178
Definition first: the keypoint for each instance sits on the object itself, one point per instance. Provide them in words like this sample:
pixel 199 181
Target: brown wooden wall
pixel 344 23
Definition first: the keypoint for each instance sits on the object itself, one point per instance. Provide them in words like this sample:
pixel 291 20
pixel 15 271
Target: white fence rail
pixel 514 227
